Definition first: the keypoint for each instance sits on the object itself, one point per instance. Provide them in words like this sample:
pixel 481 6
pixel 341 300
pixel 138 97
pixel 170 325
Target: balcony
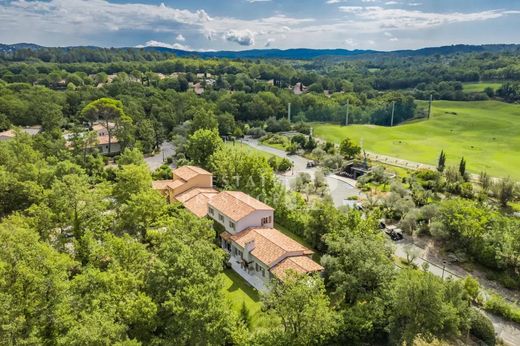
pixel 254 280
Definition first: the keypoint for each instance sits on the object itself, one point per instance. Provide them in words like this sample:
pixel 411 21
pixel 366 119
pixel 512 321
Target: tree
pixel 441 165
pixel 203 119
pixel 236 169
pixel 462 167
pixel 348 149
pixel 485 181
pixel 422 305
pixel 226 124
pixel 141 211
pixel 131 157
pixel 505 191
pixel 130 180
pixel 33 286
pixel 301 309
pixel 185 283
pixel 108 110
pixel 201 145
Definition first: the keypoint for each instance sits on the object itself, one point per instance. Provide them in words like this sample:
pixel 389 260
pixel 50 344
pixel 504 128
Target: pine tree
pixel 442 162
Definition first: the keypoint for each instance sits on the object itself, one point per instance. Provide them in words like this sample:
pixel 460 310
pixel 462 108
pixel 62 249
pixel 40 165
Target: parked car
pixel 394 233
pixel 311 164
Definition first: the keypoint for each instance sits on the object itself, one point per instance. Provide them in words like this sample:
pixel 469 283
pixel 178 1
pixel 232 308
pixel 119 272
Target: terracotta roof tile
pixel 237 205
pixel 161 184
pixel 8 133
pixel 176 183
pixel 270 245
pixel 300 264
pixel 189 172
pixel 102 140
pixel 196 200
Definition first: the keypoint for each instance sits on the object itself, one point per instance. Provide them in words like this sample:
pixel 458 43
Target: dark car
pixel 394 233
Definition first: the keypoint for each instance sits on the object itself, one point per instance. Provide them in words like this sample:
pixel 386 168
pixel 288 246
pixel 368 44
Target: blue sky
pixel 247 24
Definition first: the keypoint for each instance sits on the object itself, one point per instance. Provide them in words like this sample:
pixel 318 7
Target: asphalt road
pixel 158 159
pixel 340 188
pixel 507 331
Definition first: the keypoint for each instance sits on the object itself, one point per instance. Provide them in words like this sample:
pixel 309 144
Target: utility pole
pixel 289 112
pixel 430 107
pixel 346 120
pixel 393 111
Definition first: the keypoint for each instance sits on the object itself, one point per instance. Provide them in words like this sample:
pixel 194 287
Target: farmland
pixel 485 133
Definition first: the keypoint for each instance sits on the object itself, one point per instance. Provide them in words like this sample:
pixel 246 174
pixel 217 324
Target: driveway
pixel 340 188
pixel 157 160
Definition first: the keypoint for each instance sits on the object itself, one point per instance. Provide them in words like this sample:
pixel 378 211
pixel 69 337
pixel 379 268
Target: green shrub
pixel 500 306
pixel 482 328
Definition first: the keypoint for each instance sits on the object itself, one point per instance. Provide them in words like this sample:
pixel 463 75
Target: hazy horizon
pixel 199 25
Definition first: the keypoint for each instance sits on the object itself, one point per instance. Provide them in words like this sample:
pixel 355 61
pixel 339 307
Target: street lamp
pixel 443 268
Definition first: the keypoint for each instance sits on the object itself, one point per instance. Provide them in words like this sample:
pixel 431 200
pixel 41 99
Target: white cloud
pixel 269 42
pixel 242 37
pixel 375 18
pixel 153 43
pixel 180 38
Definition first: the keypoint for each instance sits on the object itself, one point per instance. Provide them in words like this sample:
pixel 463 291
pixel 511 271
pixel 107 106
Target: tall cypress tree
pixel 462 167
pixel 441 165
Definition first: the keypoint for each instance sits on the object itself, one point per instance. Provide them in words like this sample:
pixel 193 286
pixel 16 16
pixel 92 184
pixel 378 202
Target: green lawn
pixel 486 133
pixel 248 149
pixel 479 87
pixel 239 291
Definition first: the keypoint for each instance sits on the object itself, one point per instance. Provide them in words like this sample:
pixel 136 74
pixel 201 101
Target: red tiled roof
pixel 189 172
pixel 161 184
pixel 102 140
pixel 237 205
pixel 269 244
pixel 196 199
pixel 300 264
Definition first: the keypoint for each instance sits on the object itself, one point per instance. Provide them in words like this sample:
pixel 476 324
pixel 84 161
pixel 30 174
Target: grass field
pixel 238 291
pixel 248 149
pixel 479 87
pixel 486 133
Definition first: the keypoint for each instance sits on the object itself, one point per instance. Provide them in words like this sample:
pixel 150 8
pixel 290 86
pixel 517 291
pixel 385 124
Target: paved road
pixel 340 188
pixel 508 331
pixel 158 159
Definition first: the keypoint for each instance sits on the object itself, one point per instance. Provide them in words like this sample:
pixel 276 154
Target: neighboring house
pixel 198 89
pixel 192 186
pixel 299 89
pixel 103 145
pixel 7 135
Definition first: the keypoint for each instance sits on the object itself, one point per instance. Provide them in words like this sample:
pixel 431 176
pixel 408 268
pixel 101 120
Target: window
pixel 221 217
pixel 257 267
pixel 266 220
pixel 232 225
pixel 263 272
pixel 211 211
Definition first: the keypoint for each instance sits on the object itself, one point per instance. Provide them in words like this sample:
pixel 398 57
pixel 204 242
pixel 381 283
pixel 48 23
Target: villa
pixel 257 251
pixel 192 186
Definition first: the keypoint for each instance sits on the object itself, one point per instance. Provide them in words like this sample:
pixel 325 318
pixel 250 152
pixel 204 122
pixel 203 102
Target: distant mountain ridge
pixel 294 53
